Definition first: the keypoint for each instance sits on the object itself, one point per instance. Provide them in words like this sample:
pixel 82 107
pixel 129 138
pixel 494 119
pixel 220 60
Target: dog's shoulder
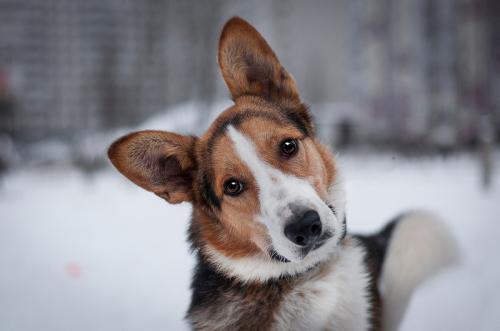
pixel 375 248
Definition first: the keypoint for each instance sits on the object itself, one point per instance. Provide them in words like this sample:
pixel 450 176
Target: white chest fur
pixel 335 299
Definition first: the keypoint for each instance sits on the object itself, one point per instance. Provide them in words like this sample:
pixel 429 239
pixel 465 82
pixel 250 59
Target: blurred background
pixel 406 92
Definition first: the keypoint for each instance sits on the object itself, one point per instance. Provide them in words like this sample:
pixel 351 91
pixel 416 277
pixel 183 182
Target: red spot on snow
pixel 73 270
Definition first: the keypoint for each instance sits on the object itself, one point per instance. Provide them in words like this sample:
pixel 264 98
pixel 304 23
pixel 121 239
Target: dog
pixel 268 225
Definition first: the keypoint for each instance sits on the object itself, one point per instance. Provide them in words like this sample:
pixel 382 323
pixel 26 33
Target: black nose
pixel 305 230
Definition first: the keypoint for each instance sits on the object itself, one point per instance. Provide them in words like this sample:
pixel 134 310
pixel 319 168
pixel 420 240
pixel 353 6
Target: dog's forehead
pixel 261 128
pixel 239 113
pixel 257 119
pixel 259 136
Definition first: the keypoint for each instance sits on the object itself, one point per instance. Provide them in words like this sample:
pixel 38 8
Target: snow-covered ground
pixel 98 253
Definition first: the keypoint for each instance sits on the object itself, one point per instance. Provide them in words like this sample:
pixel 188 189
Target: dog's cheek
pixel 245 229
pixel 260 236
pixel 328 162
pixel 239 214
pixel 318 173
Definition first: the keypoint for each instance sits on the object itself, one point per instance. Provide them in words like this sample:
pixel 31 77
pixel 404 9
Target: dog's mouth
pixel 277 257
pixel 322 240
pixel 331 208
pixel 319 243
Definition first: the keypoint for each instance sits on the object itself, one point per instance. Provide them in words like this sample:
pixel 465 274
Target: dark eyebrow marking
pixel 297 121
pixel 208 193
pixel 236 120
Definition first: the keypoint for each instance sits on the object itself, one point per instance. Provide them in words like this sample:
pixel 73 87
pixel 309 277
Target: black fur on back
pixel 376 247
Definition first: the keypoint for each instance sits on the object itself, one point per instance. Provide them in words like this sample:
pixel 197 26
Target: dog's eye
pixel 289 147
pixel 233 187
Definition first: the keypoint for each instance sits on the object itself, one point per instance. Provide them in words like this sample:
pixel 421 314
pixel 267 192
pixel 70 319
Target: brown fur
pixel 249 66
pixel 160 162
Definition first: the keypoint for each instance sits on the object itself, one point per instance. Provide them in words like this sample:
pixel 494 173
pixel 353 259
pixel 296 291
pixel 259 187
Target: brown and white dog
pixel 268 224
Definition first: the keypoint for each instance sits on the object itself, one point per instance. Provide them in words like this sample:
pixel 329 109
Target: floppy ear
pixel 158 161
pixel 249 65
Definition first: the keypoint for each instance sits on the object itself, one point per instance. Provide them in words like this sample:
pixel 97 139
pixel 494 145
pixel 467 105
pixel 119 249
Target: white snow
pixel 98 253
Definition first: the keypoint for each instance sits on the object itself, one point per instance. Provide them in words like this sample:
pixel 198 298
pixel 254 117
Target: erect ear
pixel 249 65
pixel 158 161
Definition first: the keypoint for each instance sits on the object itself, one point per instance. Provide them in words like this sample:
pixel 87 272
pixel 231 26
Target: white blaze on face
pixel 278 192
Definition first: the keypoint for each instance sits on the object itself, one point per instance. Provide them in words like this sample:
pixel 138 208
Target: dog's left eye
pixel 289 147
pixel 233 187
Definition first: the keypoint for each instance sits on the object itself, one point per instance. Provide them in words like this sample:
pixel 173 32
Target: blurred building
pixel 405 71
pixel 71 66
pixel 425 71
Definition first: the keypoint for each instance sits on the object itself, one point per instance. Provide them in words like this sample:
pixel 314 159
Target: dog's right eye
pixel 289 147
pixel 233 187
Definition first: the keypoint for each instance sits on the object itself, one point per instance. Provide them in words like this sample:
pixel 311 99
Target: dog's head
pixel 265 193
